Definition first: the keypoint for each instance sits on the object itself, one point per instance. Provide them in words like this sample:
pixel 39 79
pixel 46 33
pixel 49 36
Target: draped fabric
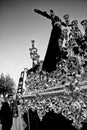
pixel 18 123
pixel 32 120
pixel 0 126
pixel 53 52
pixel 51 121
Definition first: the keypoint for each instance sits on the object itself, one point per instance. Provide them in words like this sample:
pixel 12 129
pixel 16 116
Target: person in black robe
pixel 32 120
pixel 53 53
pixel 6 116
pixel 51 121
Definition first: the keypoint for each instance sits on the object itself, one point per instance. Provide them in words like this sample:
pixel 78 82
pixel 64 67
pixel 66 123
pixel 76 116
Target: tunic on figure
pixel 53 53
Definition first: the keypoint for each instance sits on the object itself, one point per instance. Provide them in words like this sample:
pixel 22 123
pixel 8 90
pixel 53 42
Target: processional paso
pixel 59 82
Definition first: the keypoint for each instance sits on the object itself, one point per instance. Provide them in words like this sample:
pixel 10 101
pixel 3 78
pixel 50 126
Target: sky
pixel 19 24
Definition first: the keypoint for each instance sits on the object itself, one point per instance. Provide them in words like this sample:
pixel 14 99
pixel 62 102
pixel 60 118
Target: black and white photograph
pixel 43 64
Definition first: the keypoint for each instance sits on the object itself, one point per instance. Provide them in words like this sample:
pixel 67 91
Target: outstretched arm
pixel 43 13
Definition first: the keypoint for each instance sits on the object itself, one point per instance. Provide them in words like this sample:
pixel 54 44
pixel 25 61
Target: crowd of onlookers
pixel 10 114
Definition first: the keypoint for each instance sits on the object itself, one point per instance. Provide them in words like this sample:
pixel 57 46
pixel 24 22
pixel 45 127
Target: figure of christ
pixel 53 53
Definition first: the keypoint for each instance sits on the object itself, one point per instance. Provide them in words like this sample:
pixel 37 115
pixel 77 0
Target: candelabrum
pixel 65 89
pixel 33 54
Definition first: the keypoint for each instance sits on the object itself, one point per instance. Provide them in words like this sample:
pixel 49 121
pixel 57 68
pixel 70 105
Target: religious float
pixel 63 89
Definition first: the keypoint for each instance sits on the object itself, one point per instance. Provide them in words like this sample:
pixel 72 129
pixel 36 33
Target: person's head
pixel 10 98
pixel 52 13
